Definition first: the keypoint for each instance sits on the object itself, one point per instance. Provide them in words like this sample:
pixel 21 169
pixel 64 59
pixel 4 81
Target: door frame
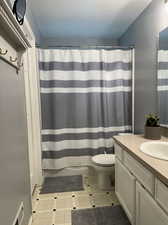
pixel 33 108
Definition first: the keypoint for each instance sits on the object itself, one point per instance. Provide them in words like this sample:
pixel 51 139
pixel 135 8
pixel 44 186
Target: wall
pixel 14 164
pixel 143 34
pixel 33 24
pixel 163 39
pixel 51 42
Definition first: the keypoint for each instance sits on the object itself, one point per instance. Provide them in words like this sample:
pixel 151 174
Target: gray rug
pixel 110 215
pixel 62 184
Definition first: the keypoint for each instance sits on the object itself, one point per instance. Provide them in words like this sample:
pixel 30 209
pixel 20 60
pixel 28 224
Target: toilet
pixel 104 165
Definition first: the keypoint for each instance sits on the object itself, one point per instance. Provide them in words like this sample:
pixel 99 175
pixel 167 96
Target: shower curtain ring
pixel 3 53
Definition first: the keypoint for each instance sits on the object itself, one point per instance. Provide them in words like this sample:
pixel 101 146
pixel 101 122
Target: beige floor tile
pixel 62 217
pixel 64 203
pixel 85 182
pixel 114 198
pixel 101 199
pixel 35 196
pixel 83 202
pixel 94 190
pixel 68 216
pixel 81 193
pixel 64 194
pixel 88 188
pixel 98 203
pixel 59 217
pixel 45 205
pixel 91 198
pixel 101 195
pixel 45 218
pixel 47 196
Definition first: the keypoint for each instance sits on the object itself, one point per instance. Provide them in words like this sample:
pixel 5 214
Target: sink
pixel 156 149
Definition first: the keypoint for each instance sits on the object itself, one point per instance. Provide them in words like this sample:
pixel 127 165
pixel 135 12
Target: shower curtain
pixel 85 100
pixel 163 86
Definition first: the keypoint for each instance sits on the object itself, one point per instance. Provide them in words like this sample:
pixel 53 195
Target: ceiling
pixel 106 19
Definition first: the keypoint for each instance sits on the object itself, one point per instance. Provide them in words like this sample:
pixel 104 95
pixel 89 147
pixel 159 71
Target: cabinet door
pixel 147 210
pixel 125 189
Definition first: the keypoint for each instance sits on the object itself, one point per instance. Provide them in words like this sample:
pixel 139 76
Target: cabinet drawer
pixel 141 173
pixel 118 152
pixel 161 194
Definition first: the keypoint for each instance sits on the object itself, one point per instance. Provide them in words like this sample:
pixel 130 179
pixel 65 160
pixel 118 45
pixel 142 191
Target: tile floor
pixel 55 208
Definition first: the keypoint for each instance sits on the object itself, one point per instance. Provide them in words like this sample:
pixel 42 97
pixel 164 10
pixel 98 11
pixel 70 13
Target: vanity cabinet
pixel 143 197
pixel 161 194
pixel 147 210
pixel 142 174
pixel 125 189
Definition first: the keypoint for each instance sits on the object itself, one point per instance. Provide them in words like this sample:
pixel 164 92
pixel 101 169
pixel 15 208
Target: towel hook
pixel 13 59
pixel 3 53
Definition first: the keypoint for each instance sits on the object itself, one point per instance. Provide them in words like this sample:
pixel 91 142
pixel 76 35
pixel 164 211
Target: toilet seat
pixel 104 160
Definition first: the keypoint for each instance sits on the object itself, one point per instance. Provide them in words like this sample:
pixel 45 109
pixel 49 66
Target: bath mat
pixel 62 184
pixel 110 215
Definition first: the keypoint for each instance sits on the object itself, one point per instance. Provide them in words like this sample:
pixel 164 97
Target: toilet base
pixel 105 178
pixel 105 182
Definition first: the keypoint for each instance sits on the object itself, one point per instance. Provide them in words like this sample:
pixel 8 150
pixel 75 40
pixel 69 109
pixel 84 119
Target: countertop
pixel 131 144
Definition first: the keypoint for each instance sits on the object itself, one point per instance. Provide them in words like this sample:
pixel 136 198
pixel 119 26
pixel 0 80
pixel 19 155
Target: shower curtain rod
pixel 87 47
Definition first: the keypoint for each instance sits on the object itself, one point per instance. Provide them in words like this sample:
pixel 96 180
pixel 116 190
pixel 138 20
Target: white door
pixel 147 210
pixel 125 189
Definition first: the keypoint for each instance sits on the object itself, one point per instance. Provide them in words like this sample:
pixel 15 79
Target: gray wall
pixel 143 34
pixel 51 42
pixel 163 44
pixel 163 39
pixel 14 167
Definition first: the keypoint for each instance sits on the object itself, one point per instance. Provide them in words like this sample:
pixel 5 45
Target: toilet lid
pixel 104 159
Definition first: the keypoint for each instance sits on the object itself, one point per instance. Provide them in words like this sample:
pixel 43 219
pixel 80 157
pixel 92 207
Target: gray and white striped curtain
pixel 163 86
pixel 85 100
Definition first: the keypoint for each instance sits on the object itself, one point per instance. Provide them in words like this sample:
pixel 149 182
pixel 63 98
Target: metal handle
pixel 13 59
pixel 3 53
